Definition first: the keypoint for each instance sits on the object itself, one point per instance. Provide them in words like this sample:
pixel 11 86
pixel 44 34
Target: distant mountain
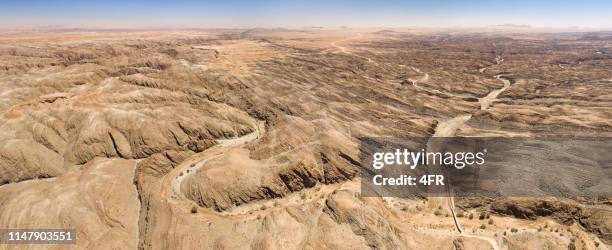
pixel 385 31
pixel 510 25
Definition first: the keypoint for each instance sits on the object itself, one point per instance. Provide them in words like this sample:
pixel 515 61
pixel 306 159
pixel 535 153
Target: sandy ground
pixel 319 90
pixel 186 170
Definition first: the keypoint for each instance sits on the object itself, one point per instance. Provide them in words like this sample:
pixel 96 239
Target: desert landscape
pixel 249 138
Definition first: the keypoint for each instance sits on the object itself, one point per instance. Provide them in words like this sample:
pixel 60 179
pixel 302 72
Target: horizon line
pixel 269 27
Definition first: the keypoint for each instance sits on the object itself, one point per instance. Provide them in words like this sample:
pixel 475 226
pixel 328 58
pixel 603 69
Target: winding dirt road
pixel 449 127
pixel 434 91
pixel 222 143
pixel 486 101
pixel 172 182
pixel 345 51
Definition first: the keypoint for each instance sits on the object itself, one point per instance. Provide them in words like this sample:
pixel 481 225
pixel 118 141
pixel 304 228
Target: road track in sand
pixel 222 143
pixel 449 127
pixel 425 77
pixel 446 128
pixel 171 184
pixel 346 51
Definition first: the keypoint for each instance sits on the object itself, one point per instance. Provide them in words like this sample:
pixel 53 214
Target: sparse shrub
pixel 539 229
pixel 505 233
pixel 471 216
pixel 483 226
pixel 303 196
pixel 546 225
pixel 514 230
pixel 258 217
pixel 404 209
pixel 490 221
pixel 571 246
pixel 483 215
pixel 440 207
pixel 263 207
pixel 171 52
pixel 192 165
pixel 276 203
pixel 596 244
pixel 181 174
pixel 194 209
pixel 437 213
pixel 460 214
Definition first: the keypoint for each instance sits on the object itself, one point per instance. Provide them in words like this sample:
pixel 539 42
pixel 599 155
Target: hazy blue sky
pixel 287 13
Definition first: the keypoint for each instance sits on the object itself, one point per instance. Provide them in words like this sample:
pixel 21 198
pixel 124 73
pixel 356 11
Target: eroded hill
pixel 123 135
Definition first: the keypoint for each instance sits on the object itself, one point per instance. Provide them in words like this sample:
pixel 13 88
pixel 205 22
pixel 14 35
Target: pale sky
pixel 300 13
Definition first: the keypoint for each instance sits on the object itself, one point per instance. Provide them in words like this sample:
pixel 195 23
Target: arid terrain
pixel 249 139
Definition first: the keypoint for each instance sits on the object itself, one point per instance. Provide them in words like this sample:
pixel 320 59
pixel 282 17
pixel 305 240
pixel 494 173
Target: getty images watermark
pixel 493 167
pixel 411 159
